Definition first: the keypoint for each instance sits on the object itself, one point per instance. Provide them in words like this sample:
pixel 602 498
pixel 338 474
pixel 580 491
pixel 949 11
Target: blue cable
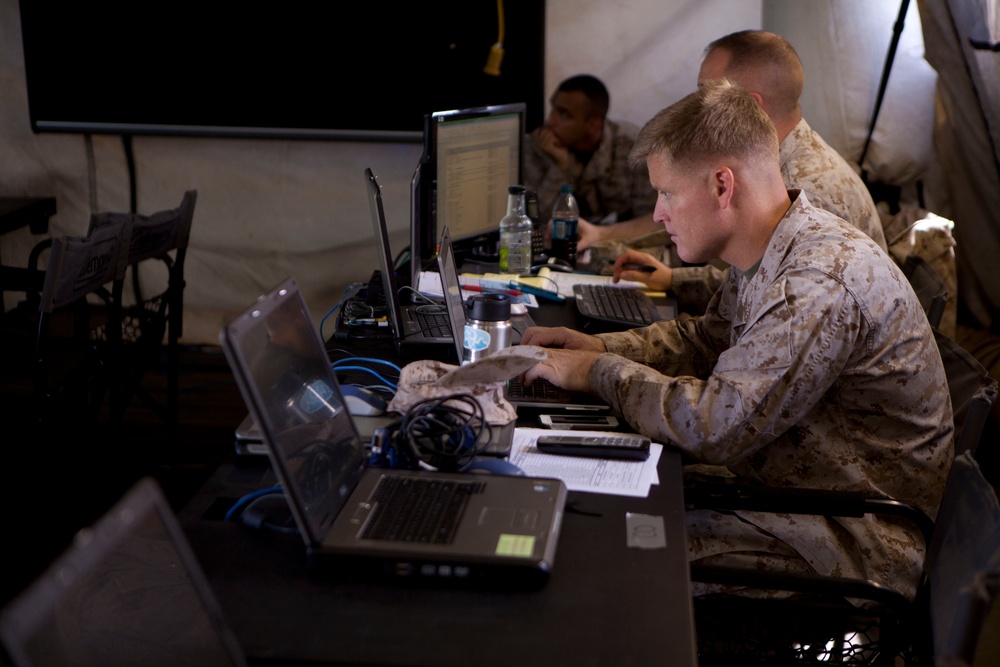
pixel 239 504
pixel 366 370
pixel 371 360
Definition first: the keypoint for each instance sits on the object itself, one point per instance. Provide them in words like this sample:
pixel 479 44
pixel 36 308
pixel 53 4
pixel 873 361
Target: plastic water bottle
pixel 565 214
pixel 515 234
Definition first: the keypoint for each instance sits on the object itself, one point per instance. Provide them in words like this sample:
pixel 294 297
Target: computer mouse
pixel 556 264
pixel 363 402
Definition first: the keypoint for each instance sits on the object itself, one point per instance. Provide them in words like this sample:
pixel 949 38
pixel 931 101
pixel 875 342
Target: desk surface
pixel 605 603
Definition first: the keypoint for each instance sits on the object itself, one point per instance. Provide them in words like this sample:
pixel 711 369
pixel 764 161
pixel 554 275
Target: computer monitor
pixel 471 156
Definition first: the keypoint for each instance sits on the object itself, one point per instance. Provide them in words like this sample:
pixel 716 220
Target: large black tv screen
pixel 291 69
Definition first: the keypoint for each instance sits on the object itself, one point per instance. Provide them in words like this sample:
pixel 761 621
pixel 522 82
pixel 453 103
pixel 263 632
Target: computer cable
pixel 261 519
pixel 238 506
pixel 349 291
pixel 444 432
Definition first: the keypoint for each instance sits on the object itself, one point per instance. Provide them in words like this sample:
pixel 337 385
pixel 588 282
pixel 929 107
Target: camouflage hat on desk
pixel 484 379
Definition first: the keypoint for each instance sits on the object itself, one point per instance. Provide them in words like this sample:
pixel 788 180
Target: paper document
pixel 430 285
pixel 613 476
pixel 559 281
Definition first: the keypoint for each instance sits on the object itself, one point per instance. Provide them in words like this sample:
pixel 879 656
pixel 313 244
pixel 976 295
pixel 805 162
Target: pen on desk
pixel 538 291
pixel 495 290
pixel 629 266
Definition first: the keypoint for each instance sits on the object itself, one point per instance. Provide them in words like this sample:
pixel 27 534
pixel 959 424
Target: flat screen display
pixel 294 69
pixel 471 156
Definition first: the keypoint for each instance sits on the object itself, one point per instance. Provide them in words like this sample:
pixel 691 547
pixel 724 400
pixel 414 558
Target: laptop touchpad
pixel 508 517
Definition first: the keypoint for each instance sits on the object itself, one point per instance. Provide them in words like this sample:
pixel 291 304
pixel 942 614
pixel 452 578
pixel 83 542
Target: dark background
pixel 289 69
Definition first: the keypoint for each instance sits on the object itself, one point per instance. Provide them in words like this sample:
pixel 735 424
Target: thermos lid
pixel 489 307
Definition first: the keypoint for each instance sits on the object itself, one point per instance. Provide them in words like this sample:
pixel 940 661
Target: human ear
pixel 723 183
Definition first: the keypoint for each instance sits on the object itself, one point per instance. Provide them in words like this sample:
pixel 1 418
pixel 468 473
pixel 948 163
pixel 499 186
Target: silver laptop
pixel 128 591
pixel 487 529
pixel 540 393
pixel 421 330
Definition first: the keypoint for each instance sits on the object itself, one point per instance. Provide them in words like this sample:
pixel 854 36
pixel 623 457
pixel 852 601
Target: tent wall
pixel 270 208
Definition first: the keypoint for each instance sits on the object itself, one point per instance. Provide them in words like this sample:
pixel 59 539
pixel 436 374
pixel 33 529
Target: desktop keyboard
pixel 418 510
pixel 623 305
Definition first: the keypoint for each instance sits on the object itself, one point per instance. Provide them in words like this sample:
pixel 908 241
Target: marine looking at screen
pixel 768 67
pixel 813 365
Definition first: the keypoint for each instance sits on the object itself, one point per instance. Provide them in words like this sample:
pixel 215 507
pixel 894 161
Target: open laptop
pixel 421 330
pixel 540 393
pixel 506 527
pixel 128 591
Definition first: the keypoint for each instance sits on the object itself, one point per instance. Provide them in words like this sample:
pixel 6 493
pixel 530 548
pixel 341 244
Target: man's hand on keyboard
pixel 660 279
pixel 568 339
pixel 569 356
pixel 569 369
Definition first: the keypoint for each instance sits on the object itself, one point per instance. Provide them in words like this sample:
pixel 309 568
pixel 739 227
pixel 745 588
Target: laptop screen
pixel 385 259
pixel 128 591
pixel 289 387
pixel 452 289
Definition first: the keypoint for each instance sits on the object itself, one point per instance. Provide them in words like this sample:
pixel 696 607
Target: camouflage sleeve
pixel 694 285
pixel 782 364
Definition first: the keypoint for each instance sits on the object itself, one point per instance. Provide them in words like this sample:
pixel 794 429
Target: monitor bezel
pixel 424 231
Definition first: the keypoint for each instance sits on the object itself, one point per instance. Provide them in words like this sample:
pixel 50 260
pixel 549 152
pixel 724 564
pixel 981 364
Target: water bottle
pixel 537 230
pixel 515 234
pixel 488 328
pixel 565 214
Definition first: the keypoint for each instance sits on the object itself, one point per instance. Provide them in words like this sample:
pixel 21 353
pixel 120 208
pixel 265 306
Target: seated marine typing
pixel 813 365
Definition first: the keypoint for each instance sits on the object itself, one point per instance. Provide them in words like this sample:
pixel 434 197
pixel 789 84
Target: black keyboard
pixel 624 305
pixel 434 325
pixel 410 509
pixel 539 389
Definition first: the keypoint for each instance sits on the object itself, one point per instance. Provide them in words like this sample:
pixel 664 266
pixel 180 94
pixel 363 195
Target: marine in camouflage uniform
pixel 605 185
pixel 818 369
pixel 809 164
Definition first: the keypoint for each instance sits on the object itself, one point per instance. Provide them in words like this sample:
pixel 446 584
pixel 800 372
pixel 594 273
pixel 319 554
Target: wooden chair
pixel 158 240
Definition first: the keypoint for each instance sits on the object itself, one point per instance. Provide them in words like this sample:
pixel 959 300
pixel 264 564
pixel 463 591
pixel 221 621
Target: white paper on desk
pixel 429 283
pixel 612 476
pixel 562 282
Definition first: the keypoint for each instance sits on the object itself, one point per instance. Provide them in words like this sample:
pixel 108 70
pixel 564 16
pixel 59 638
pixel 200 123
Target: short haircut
pixel 763 62
pixel 718 121
pixel 592 88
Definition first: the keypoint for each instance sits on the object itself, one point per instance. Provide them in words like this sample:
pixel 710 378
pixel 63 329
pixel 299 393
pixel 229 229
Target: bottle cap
pixel 515 190
pixel 565 187
pixel 489 307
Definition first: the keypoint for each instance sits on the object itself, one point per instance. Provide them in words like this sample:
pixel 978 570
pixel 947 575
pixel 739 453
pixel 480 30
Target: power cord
pixel 441 433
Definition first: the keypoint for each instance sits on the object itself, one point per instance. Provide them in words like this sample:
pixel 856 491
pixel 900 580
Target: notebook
pixel 128 591
pixel 421 330
pixel 506 527
pixel 540 393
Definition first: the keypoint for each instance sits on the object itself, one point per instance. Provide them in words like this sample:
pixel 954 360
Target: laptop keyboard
pixel 409 509
pixel 538 389
pixel 625 305
pixel 434 325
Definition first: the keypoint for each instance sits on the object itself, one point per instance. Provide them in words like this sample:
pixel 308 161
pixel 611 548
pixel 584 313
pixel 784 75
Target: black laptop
pixel 128 591
pixel 540 393
pixel 487 529
pixel 421 329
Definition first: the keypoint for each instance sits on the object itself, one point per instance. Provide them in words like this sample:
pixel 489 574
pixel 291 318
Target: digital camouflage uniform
pixel 809 164
pixel 819 370
pixel 605 185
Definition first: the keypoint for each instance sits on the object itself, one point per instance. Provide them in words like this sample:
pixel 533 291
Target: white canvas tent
pixel 271 208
